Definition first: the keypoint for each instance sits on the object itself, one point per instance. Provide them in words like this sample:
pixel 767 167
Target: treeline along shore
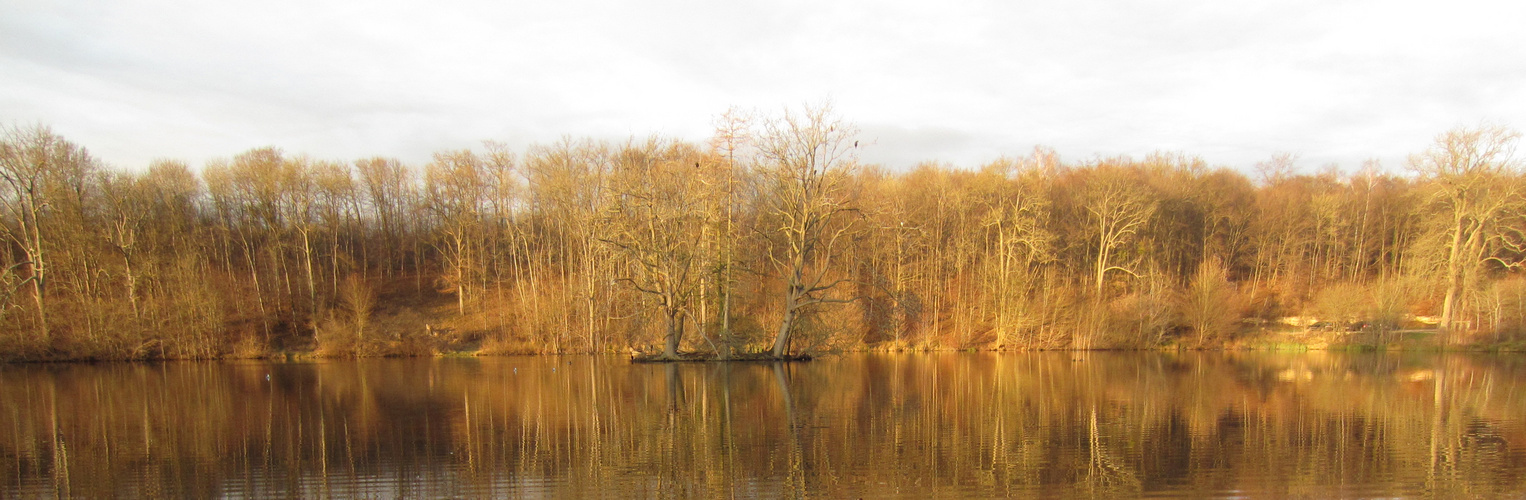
pixel 771 239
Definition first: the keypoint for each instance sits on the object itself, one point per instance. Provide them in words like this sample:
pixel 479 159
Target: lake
pixel 1066 424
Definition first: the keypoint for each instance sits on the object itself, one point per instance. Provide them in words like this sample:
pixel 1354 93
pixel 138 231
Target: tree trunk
pixel 1454 280
pixel 675 334
pixel 312 287
pixel 461 270
pixel 781 341
pixel 132 284
pixel 42 310
pixel 39 272
pixel 259 293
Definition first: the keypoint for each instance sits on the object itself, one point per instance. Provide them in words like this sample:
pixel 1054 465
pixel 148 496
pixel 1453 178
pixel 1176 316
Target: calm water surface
pixel 871 425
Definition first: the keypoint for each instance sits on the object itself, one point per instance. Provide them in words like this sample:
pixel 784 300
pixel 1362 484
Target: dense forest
pixel 772 237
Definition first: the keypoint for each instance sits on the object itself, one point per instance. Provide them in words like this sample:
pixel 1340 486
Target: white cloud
pixel 960 82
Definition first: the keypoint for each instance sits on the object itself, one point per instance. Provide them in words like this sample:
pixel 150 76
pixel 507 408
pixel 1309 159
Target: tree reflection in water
pixel 979 424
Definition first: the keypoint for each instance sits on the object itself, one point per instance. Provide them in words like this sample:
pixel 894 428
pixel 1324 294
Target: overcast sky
pixel 959 82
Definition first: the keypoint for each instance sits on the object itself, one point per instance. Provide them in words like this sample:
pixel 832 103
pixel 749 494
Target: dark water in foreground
pixel 908 425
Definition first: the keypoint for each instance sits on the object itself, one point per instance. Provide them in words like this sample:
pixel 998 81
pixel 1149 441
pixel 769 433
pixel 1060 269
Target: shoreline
pixel 1272 343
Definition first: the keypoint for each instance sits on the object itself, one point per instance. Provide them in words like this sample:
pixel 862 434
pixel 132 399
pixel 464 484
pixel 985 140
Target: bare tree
pixel 299 199
pixel 1017 214
pixel 1469 169
pixel 730 143
pixel 387 184
pixel 656 217
pixel 1208 306
pixel 1118 210
pixel 805 162
pixel 29 159
pixel 457 184
pixel 128 209
pixel 568 189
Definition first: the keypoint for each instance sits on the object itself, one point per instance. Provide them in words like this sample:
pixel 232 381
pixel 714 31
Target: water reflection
pixel 1071 424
